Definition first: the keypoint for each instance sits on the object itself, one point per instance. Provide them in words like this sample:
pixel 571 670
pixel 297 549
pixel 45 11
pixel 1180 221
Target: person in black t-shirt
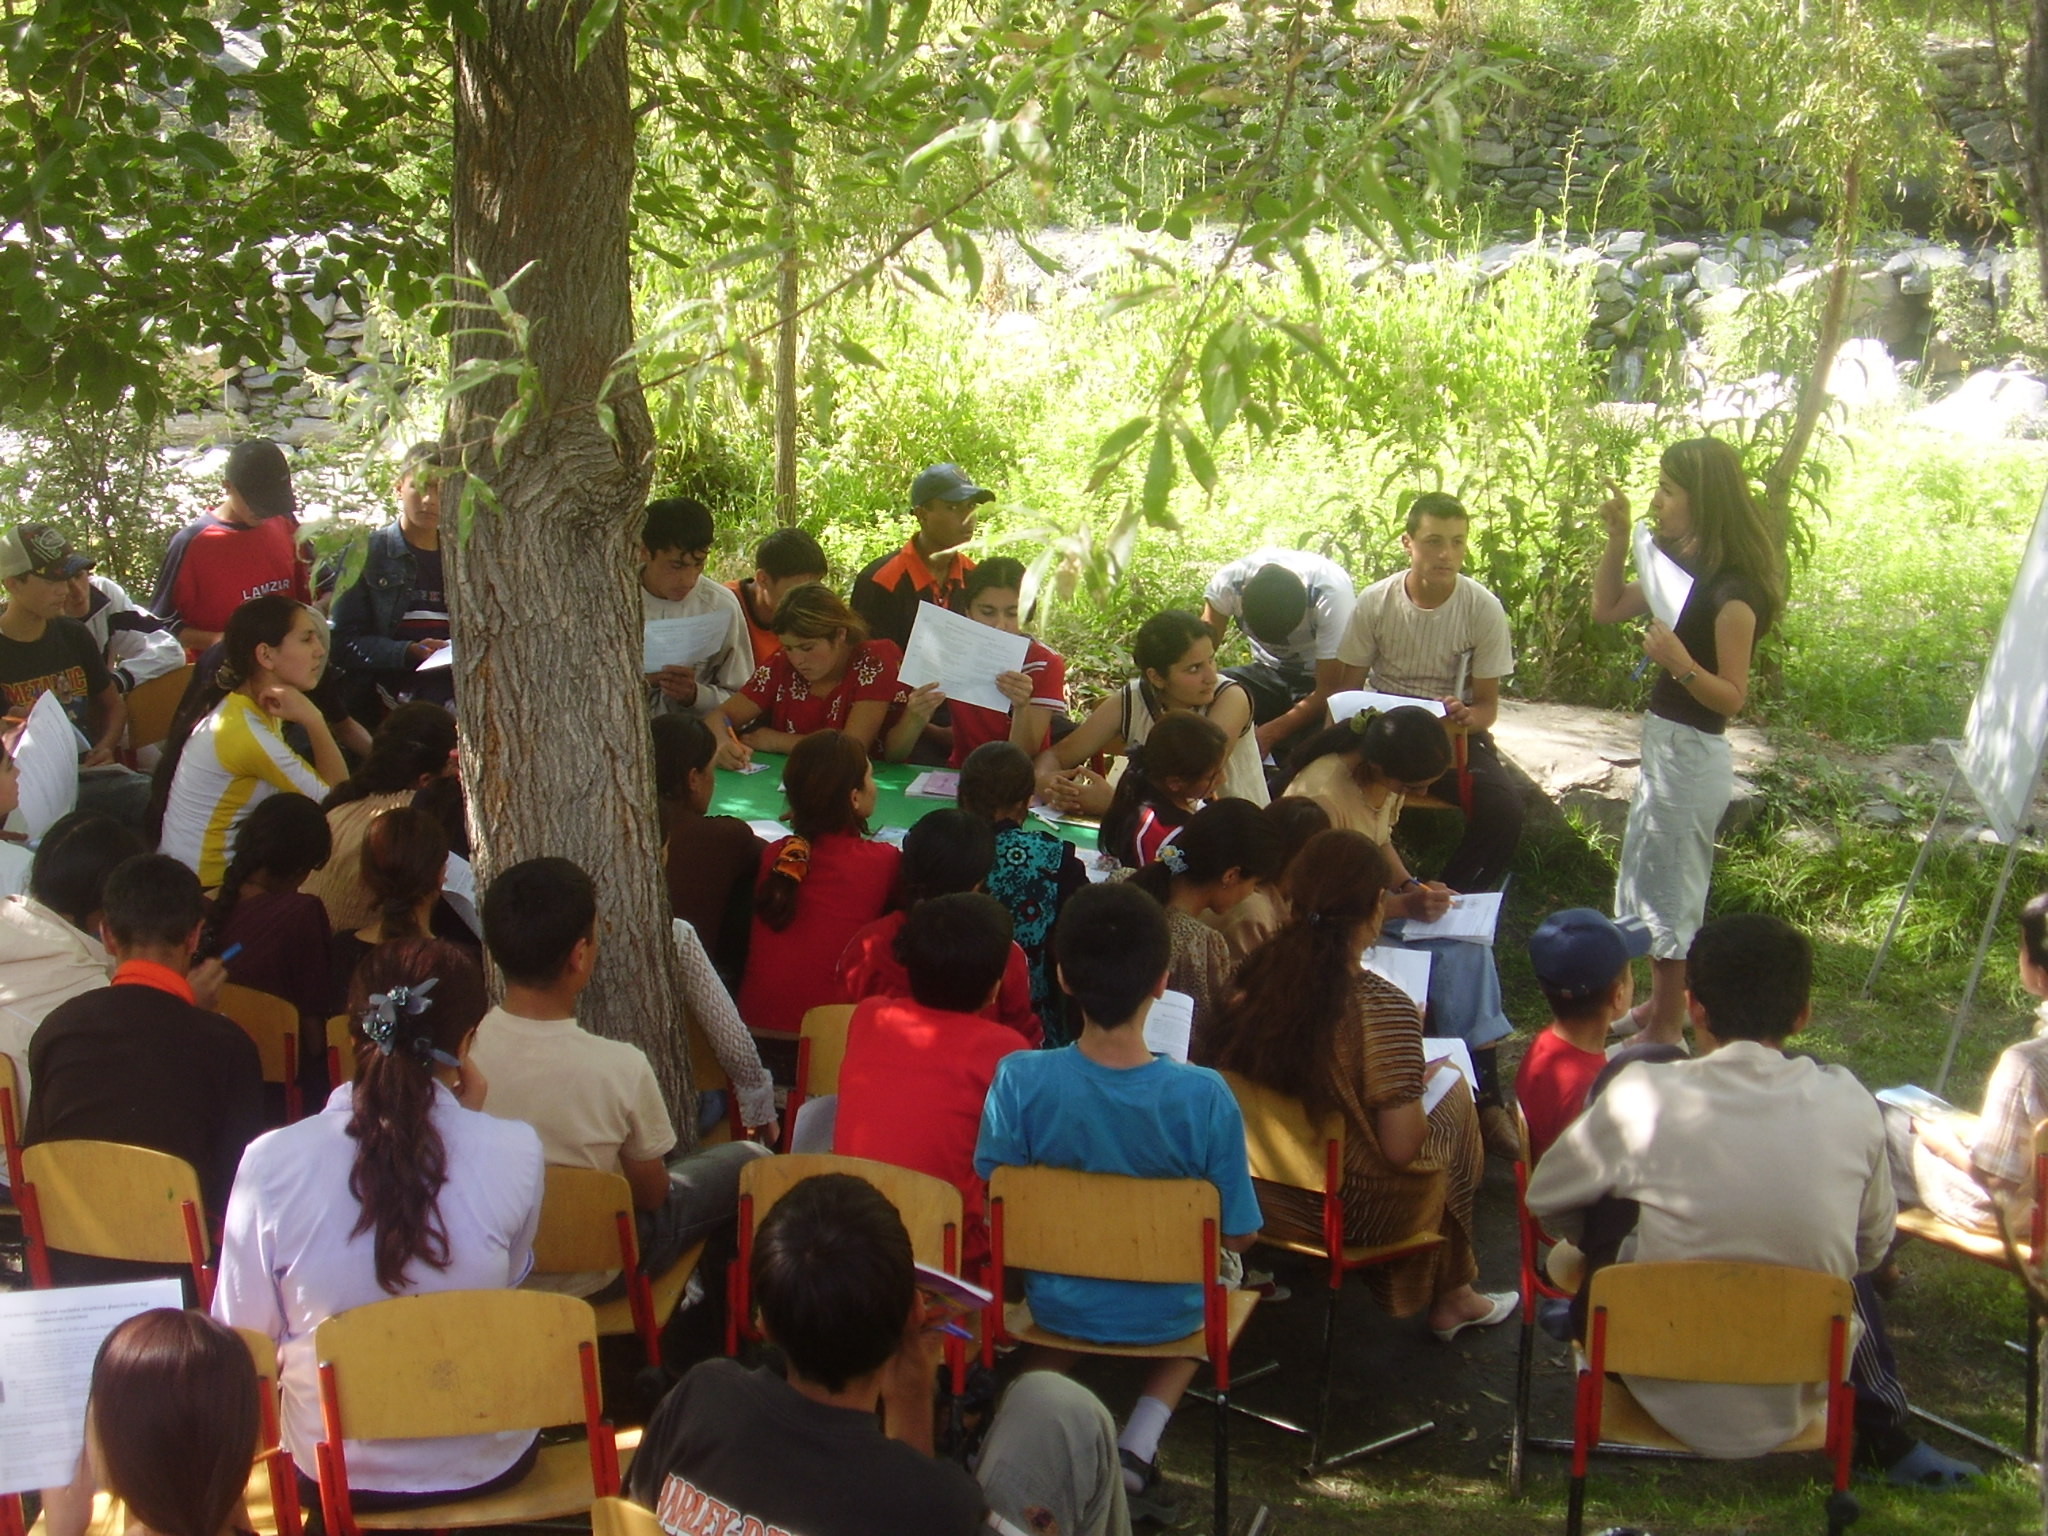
pixel 140 1062
pixel 833 1278
pixel 41 651
pixel 1733 547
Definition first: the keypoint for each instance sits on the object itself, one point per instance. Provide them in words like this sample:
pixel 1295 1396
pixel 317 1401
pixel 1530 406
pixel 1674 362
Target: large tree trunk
pixel 555 753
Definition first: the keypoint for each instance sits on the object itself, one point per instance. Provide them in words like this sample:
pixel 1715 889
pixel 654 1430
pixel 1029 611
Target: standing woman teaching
pixel 1734 550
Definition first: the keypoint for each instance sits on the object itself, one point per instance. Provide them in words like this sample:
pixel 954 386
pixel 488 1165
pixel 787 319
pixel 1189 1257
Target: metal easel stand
pixel 1919 864
pixel 1955 1032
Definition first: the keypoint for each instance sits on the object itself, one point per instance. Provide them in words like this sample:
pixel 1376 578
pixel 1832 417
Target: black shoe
pixel 1154 1502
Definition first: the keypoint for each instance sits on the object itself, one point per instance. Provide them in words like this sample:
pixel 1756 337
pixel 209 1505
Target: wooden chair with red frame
pixel 1701 1320
pixel 820 1049
pixel 109 1201
pixel 465 1363
pixel 929 1207
pixel 1105 1226
pixel 10 1127
pixel 1288 1150
pixel 2018 1259
pixel 586 1224
pixel 273 1023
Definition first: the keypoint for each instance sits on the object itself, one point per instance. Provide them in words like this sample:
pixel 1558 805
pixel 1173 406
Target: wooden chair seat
pixel 1019 1324
pixel 1358 1255
pixel 558 1486
pixel 1917 1221
pixel 1624 1421
pixel 616 1316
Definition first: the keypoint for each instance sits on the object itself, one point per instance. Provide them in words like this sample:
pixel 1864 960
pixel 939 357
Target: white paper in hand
pixel 964 658
pixel 1407 969
pixel 48 1340
pixel 683 642
pixel 46 752
pixel 1471 917
pixel 1664 581
pixel 1446 1079
pixel 1170 1025
pixel 444 657
pixel 1356 701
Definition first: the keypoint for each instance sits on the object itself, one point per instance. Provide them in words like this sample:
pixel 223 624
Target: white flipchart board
pixel 2007 734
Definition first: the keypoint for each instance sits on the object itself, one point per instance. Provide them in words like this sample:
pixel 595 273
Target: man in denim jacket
pixel 395 616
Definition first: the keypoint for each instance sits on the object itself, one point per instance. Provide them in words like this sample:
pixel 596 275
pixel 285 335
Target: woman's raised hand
pixel 1016 687
pixel 1614 511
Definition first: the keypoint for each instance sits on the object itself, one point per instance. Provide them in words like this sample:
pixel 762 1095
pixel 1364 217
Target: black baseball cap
pixel 945 482
pixel 259 471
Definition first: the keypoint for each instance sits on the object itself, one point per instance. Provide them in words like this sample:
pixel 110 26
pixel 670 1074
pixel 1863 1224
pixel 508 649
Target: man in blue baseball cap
pixel 930 567
pixel 1584 962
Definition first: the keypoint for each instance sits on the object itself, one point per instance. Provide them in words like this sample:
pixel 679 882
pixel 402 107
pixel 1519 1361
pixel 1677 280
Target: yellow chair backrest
pixel 457 1363
pixel 579 1221
pixel 113 1202
pixel 927 1205
pixel 266 1019
pixel 825 1027
pixel 151 706
pixel 1713 1320
pixel 622 1517
pixel 262 1354
pixel 1283 1144
pixel 1104 1226
pixel 10 1084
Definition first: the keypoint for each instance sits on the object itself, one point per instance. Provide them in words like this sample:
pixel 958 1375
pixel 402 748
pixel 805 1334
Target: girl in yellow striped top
pixel 235 755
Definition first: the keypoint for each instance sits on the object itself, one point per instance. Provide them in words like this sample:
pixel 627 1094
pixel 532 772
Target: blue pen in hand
pixel 229 953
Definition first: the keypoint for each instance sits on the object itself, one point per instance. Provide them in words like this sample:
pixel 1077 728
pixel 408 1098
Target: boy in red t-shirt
pixel 1584 962
pixel 918 1068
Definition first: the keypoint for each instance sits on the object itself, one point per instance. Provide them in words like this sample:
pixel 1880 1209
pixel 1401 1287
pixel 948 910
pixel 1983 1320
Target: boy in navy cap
pixel 1583 961
pixel 929 568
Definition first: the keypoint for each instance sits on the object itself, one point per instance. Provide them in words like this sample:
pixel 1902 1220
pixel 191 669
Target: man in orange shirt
pixel 787 559
pixel 929 568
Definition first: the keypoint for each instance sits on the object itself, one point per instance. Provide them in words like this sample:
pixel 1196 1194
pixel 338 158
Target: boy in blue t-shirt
pixel 1106 1104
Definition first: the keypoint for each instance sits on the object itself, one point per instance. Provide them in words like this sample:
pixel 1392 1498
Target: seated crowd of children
pixel 1001 1001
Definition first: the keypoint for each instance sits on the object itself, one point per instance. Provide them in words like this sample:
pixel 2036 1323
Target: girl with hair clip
pixel 1164 783
pixel 1734 548
pixel 234 755
pixel 400 1187
pixel 1034 872
pixel 1037 691
pixel 1175 653
pixel 819 886
pixel 404 859
pixel 948 853
pixel 828 676
pixel 1224 853
pixel 270 934
pixel 1308 1021
pixel 413 749
pixel 1362 771
pixel 170 1430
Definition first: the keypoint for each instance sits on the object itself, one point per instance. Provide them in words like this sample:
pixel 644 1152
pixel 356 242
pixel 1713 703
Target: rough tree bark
pixel 555 754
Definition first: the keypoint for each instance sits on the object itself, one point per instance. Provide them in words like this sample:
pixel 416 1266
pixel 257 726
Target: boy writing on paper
pixel 675 544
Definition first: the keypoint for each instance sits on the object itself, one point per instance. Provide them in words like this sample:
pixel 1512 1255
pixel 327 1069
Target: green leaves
pixel 596 22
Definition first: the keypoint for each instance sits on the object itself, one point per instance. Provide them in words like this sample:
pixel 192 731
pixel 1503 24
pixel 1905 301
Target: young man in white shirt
pixel 137 644
pixel 1747 1153
pixel 1293 607
pixel 675 546
pixel 595 1102
pixel 1430 632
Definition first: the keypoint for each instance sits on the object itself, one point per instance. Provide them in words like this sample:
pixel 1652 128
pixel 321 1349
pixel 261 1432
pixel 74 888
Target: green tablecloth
pixel 758 797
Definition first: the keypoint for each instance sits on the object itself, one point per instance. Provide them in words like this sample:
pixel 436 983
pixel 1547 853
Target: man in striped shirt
pixel 1431 632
